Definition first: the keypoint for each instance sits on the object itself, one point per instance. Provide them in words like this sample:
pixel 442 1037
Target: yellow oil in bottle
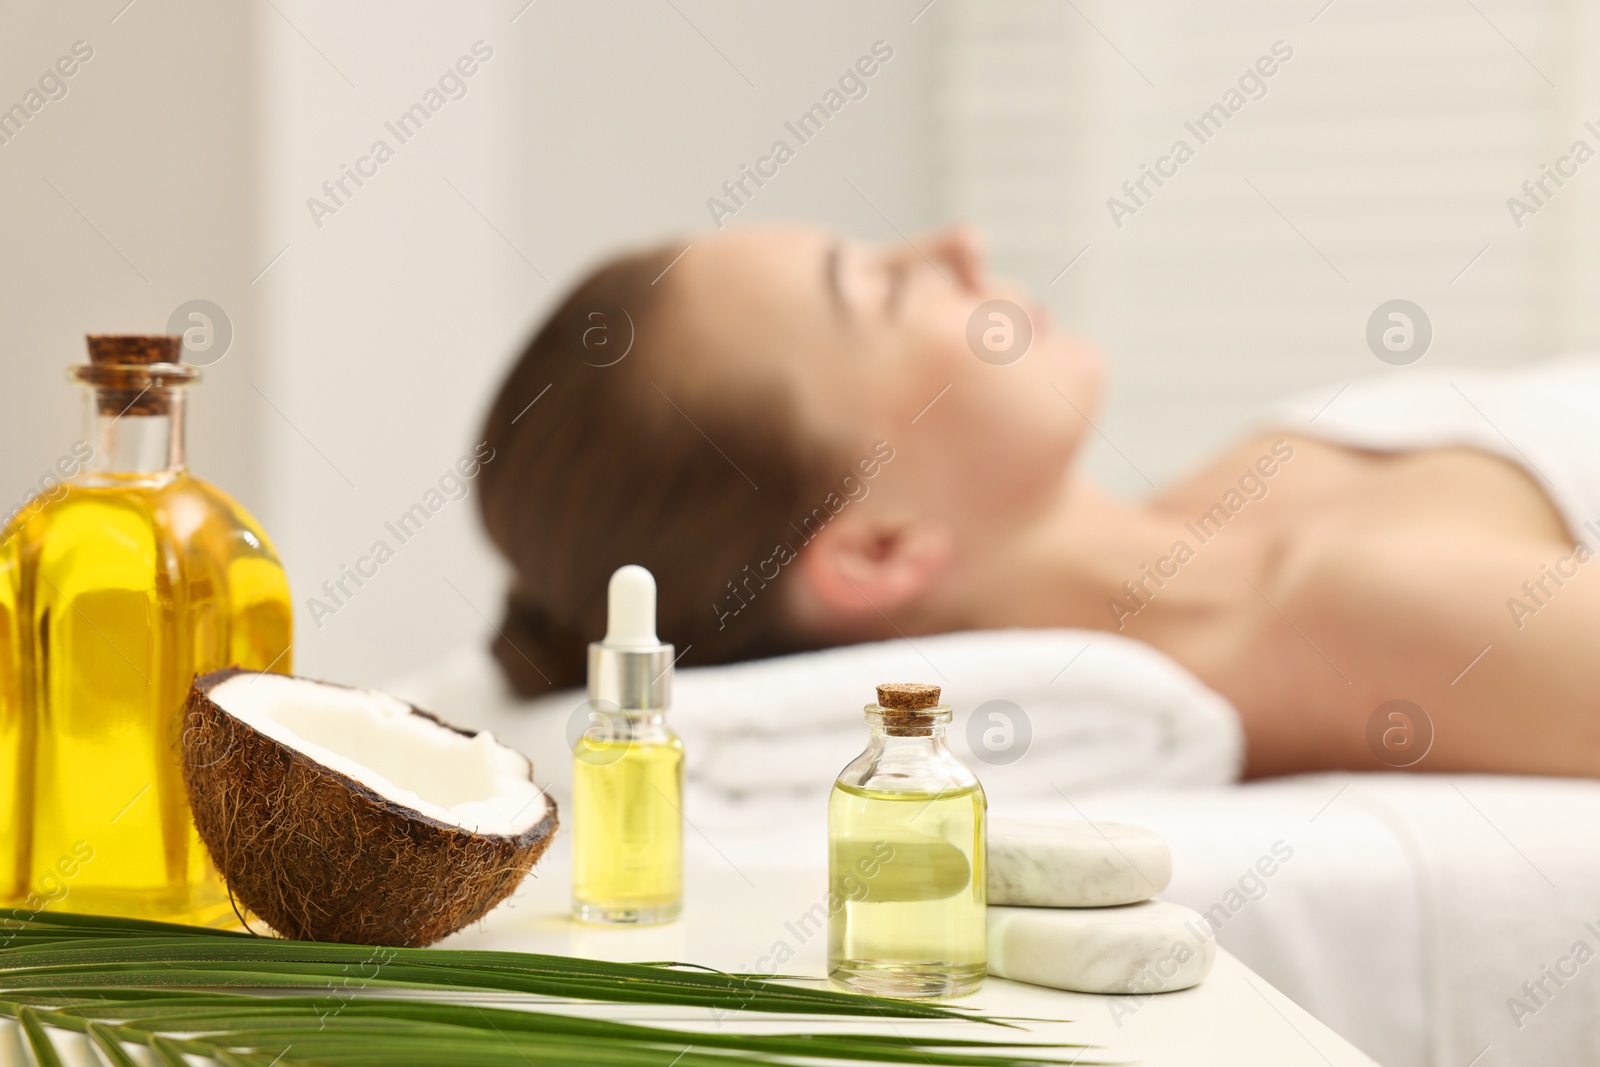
pixel 112 597
pixel 908 890
pixel 627 769
pixel 627 826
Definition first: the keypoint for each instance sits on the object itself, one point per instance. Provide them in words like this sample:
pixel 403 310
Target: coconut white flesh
pixel 472 782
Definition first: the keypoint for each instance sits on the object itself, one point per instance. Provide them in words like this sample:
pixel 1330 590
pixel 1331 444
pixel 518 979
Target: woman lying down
pixel 792 431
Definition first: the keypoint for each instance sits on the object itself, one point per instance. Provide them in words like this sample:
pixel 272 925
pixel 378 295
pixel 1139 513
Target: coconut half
pixel 340 814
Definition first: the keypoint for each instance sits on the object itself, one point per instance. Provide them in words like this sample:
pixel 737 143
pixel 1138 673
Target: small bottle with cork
pixel 906 857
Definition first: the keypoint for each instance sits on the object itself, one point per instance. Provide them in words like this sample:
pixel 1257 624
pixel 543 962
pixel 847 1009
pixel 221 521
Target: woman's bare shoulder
pixel 1490 636
pixel 1289 465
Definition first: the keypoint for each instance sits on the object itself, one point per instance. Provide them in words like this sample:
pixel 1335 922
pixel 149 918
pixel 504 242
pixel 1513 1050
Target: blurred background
pixel 180 161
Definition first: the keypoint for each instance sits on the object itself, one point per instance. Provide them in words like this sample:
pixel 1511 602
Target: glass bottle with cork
pixel 114 593
pixel 906 857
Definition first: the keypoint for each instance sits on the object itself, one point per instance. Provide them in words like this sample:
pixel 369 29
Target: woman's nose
pixel 963 250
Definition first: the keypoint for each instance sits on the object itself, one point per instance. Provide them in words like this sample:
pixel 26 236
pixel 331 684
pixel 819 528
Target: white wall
pixel 365 356
pixel 152 159
pixel 593 125
pixel 1390 142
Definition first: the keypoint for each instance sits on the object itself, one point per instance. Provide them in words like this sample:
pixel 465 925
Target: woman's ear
pixel 857 567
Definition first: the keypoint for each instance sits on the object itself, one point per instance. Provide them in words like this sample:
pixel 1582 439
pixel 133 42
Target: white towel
pixel 1036 713
pixel 1404 910
pixel 1511 915
pixel 1080 710
pixel 1542 418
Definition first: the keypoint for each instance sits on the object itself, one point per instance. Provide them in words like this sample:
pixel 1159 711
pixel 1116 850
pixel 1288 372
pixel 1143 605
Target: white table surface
pixel 733 917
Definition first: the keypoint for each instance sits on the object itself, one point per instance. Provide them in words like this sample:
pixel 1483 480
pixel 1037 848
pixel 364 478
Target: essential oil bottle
pixel 906 860
pixel 627 770
pixel 118 586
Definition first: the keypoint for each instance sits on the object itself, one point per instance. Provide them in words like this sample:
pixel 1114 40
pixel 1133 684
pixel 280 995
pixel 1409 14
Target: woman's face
pixel 883 342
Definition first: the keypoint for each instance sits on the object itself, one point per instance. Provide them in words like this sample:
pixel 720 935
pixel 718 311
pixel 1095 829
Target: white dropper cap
pixel 631 609
pixel 632 668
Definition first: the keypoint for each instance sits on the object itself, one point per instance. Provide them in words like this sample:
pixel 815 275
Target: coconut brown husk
pixel 321 857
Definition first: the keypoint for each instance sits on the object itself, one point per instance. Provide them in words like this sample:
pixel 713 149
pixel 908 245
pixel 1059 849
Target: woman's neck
pixel 1090 561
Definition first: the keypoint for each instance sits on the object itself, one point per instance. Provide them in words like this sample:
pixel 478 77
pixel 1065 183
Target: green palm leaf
pixel 241 1001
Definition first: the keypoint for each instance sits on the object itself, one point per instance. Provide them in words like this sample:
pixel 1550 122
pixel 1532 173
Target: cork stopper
pixel 910 709
pixel 907 696
pixel 116 349
pixel 132 374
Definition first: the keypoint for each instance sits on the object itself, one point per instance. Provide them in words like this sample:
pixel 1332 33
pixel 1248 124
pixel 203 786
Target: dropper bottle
pixel 627 772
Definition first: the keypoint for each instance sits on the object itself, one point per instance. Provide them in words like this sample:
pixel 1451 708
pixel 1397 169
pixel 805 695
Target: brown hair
pixel 597 464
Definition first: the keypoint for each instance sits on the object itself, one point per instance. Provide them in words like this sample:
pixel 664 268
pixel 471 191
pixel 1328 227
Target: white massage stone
pixel 1076 864
pixel 1153 947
